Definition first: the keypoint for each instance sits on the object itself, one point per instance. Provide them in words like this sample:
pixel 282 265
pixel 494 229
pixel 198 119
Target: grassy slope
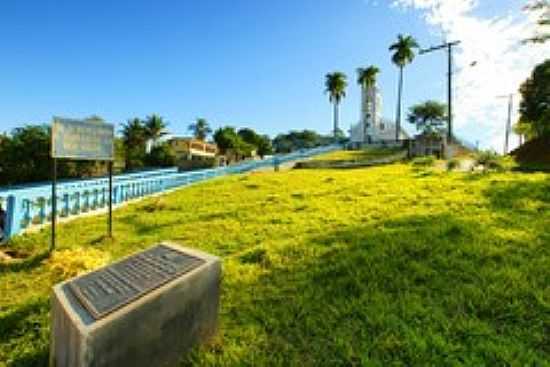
pixel 379 266
pixel 356 155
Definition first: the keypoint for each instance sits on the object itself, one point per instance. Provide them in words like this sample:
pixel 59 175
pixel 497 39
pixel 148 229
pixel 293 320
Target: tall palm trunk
pixel 336 117
pixel 399 93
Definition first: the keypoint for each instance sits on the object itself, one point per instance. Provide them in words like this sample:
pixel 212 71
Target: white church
pixel 372 127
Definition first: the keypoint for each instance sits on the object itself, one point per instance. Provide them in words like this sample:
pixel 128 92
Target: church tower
pixel 371 107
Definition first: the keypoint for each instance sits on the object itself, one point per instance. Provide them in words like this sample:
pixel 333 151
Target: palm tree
pixel 335 86
pixel 403 55
pixel 366 78
pixel 155 127
pixel 134 137
pixel 200 129
pixel 134 133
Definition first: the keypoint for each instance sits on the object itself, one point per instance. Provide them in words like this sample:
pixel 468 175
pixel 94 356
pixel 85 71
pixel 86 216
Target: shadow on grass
pixel 11 323
pixel 509 195
pixel 532 168
pixel 37 358
pixel 418 290
pixel 24 264
pixel 26 330
pixel 142 227
pixel 475 176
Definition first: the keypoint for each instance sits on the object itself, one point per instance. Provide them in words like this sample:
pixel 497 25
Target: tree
pixel 265 146
pixel 294 140
pixel 366 77
pixel 161 155
pixel 200 129
pixel 26 155
pixel 225 138
pixel 429 116
pixel 155 128
pixel 119 163
pixel 262 143
pixel 335 86
pixel 283 144
pixel 229 141
pixel 543 8
pixel 134 136
pixel 403 54
pixel 248 135
pixel 535 104
pixel 524 130
pixel 133 132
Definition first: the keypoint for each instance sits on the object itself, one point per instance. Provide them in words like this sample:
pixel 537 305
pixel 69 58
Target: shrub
pixel 426 161
pixel 72 262
pixel 536 151
pixel 161 156
pixel 453 164
pixel 489 159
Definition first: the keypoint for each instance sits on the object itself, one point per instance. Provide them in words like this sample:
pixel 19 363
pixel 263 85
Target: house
pixel 193 153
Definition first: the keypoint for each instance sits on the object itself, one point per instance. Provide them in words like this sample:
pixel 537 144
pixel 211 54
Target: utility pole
pixel 508 122
pixel 449 46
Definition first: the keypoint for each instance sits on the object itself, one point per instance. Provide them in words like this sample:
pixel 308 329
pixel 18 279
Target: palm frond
pixel 335 85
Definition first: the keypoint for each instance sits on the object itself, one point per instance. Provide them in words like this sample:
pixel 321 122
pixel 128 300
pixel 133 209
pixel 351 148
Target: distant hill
pixel 535 151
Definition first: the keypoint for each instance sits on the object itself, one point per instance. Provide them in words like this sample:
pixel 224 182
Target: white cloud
pixel 503 61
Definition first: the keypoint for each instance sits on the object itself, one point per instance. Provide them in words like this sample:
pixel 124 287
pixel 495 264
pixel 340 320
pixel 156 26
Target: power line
pixel 449 46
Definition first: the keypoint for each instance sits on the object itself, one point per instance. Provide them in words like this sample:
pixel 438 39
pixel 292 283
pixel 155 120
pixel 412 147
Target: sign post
pixel 54 201
pixel 111 199
pixel 81 140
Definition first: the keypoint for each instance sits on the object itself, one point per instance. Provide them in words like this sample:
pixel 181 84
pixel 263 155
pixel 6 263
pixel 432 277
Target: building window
pixel 381 126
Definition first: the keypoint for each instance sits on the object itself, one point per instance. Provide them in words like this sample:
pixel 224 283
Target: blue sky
pixel 253 63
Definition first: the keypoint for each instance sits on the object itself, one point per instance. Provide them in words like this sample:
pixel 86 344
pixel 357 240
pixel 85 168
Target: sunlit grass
pixel 399 264
pixel 364 155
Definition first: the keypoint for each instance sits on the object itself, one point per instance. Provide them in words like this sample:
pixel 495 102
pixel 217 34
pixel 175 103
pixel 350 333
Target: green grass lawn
pixel 394 265
pixel 362 156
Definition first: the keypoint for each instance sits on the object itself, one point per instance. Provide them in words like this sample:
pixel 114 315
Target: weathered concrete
pixel 154 330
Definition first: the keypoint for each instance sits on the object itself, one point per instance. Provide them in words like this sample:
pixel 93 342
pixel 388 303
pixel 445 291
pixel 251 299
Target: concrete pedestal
pixel 156 329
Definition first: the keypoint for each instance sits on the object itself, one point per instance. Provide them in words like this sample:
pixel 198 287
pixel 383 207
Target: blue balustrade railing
pixel 31 204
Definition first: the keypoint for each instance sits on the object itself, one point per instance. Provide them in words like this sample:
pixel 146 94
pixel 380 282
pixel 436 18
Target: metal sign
pixel 90 139
pixel 82 139
pixel 106 290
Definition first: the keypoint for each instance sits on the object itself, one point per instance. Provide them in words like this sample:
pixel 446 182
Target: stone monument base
pixel 112 317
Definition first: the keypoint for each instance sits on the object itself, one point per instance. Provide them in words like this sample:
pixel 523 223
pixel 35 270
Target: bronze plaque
pixel 106 290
